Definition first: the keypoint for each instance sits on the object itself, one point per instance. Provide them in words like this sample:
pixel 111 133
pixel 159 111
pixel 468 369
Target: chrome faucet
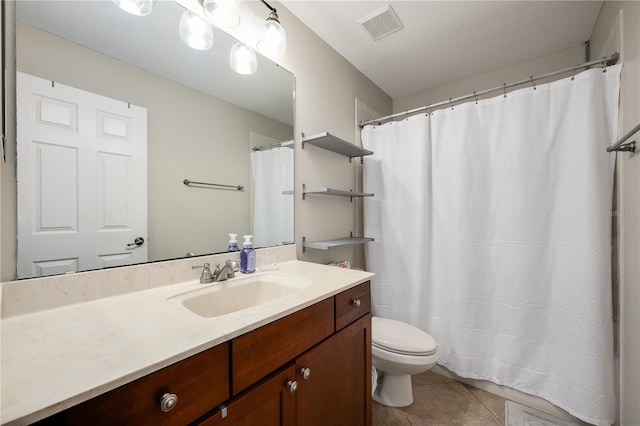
pixel 227 271
pixel 221 274
pixel 206 277
pixel 234 267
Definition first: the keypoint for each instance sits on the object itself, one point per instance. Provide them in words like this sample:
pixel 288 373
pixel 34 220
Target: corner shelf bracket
pixel 334 192
pixel 329 244
pixel 332 143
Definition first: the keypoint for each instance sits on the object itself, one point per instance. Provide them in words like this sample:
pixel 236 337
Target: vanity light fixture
pixel 135 7
pixel 195 31
pixel 274 40
pixel 222 13
pixel 242 59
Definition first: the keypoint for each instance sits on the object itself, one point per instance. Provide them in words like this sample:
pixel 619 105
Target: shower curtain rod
pixel 622 146
pixel 604 61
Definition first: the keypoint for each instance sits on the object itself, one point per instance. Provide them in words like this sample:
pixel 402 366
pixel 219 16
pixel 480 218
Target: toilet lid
pixel 399 337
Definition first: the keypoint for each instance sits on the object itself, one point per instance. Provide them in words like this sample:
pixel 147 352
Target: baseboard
pixel 516 414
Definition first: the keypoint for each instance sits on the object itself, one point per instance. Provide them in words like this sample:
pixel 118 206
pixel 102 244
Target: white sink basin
pixel 237 294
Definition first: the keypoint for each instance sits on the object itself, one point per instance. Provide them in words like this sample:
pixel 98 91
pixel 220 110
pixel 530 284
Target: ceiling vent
pixel 382 22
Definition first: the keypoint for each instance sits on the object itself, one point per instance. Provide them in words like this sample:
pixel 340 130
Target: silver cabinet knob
pixel 305 372
pixel 356 302
pixel 168 401
pixel 292 385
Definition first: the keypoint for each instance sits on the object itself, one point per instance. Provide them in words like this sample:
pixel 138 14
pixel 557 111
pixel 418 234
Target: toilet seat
pixel 401 338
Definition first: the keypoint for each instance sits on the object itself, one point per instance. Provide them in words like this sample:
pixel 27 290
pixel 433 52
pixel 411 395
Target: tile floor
pixel 441 401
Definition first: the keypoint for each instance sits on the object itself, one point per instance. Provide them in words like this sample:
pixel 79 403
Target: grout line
pixel 483 404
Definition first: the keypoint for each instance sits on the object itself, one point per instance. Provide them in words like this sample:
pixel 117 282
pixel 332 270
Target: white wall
pixel 190 135
pixel 522 71
pixel 617 29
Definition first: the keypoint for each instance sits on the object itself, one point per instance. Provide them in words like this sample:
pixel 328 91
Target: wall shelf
pixel 334 144
pixel 329 244
pixel 331 143
pixel 333 192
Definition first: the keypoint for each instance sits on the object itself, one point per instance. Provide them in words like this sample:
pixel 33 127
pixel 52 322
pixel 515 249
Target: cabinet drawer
pixel 200 382
pixel 352 304
pixel 258 353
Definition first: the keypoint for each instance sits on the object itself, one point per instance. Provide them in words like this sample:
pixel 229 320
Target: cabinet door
pixel 268 403
pixel 338 388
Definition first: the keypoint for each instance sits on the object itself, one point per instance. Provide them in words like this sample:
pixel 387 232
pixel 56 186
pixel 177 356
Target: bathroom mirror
pixel 118 204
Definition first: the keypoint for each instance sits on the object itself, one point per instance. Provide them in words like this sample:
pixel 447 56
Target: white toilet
pixel 399 350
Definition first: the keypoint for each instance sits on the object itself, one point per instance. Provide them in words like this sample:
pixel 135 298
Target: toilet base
pixel 394 391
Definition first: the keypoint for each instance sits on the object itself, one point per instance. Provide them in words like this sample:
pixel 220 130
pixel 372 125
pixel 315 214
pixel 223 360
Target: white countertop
pixel 56 358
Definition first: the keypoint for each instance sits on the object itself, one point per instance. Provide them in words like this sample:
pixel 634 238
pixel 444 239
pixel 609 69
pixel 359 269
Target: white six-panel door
pixel 82 179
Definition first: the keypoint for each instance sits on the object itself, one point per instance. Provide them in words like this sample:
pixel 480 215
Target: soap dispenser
pixel 247 256
pixel 233 243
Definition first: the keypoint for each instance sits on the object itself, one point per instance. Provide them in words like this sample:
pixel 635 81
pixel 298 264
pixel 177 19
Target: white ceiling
pixel 447 41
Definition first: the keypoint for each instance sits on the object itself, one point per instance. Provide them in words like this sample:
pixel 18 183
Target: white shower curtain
pixel 492 234
pixel 272 209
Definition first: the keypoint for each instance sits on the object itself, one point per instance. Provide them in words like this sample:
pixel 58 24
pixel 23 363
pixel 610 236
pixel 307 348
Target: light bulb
pixel 135 7
pixel 274 39
pixel 196 32
pixel 223 13
pixel 243 59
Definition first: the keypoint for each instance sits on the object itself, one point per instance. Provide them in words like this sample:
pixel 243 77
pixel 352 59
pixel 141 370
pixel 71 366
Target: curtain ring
pixel 475 97
pixel 604 64
pixel 533 83
pixel 573 77
pixel 451 103
pixel 504 89
pixel 428 108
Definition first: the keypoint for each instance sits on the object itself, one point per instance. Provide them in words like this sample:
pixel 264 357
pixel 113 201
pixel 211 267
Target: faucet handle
pixel 207 276
pixel 206 265
pixel 216 271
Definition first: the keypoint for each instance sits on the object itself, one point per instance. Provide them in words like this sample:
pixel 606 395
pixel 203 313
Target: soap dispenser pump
pixel 247 256
pixel 233 243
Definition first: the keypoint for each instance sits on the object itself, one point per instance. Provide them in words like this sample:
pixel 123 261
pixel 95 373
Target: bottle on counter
pixel 233 243
pixel 247 256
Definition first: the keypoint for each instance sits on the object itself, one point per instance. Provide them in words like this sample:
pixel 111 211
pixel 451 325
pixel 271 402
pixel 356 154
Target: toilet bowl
pixel 398 351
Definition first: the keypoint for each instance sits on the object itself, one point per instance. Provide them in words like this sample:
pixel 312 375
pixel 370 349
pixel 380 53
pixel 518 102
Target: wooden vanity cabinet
pixel 310 368
pixel 332 375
